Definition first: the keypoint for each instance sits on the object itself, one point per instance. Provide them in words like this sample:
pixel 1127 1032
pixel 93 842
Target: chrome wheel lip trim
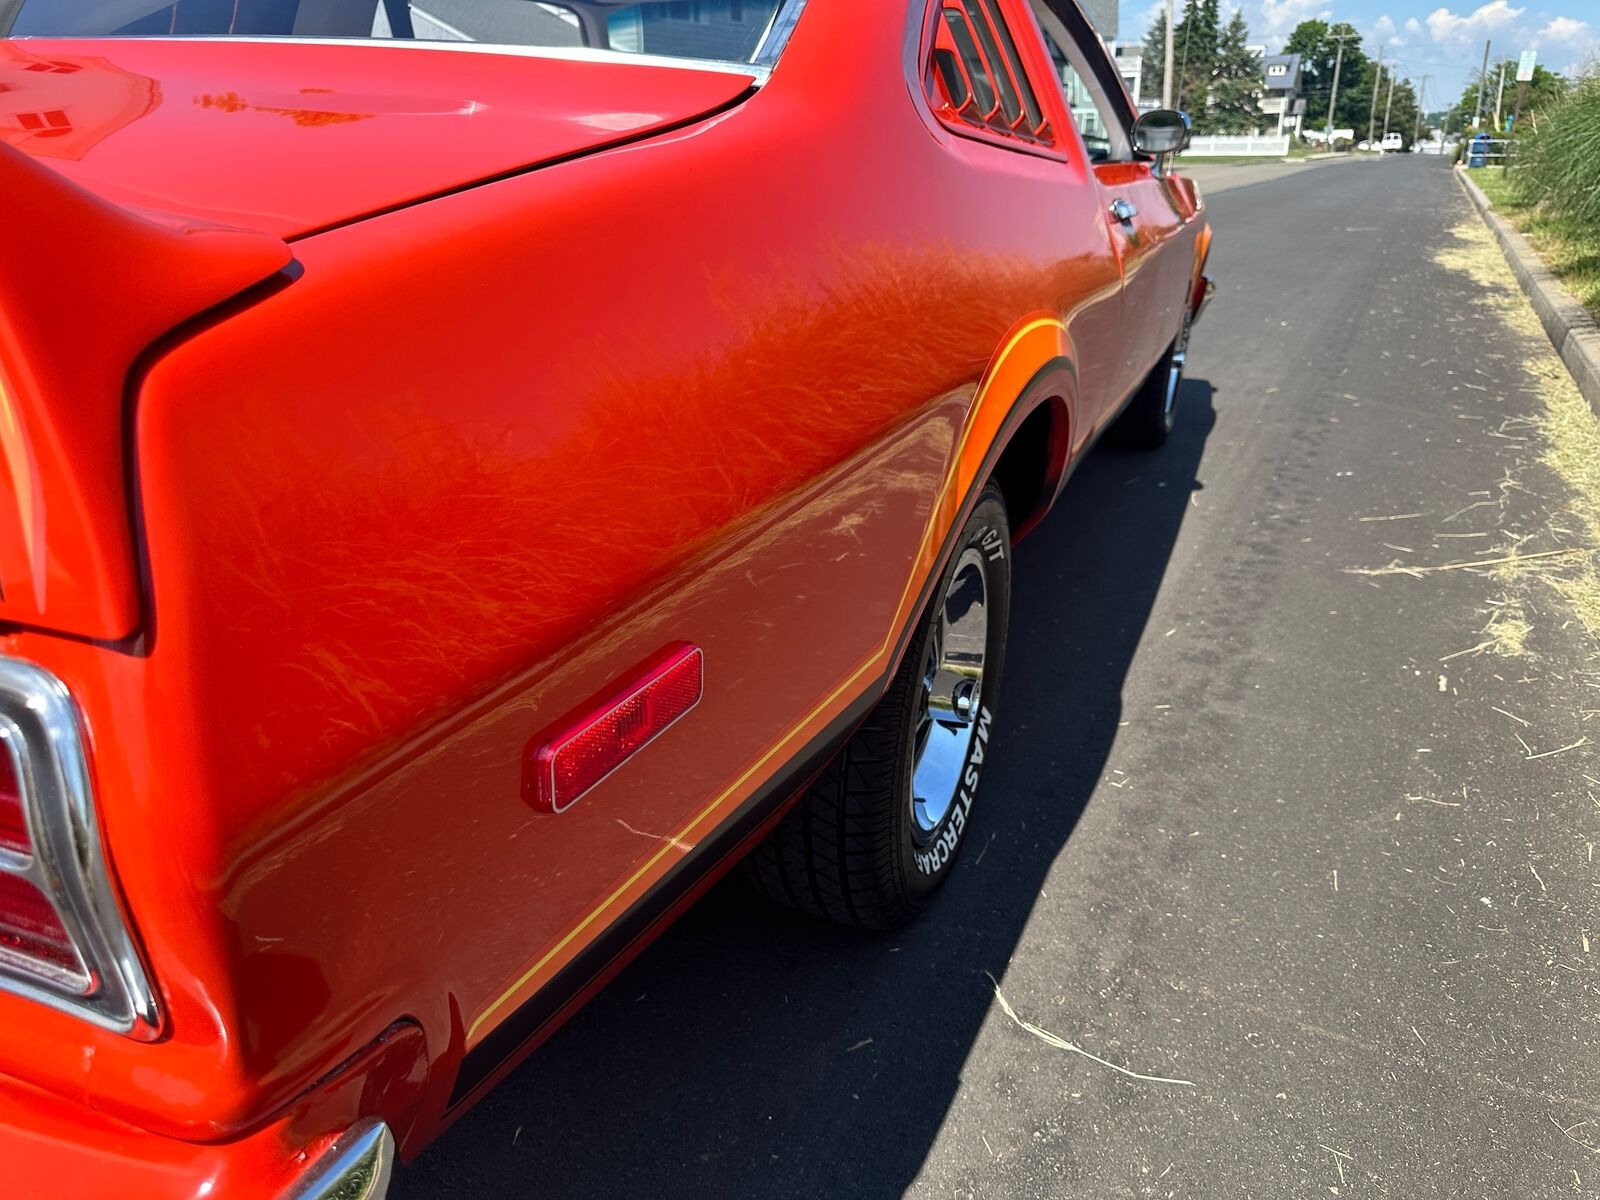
pixel 1176 362
pixel 950 697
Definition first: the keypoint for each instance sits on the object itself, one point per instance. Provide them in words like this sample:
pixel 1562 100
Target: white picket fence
pixel 1235 146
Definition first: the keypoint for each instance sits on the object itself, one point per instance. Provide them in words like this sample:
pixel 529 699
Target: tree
pixel 1404 117
pixel 1544 89
pixel 1194 43
pixel 1155 57
pixel 1314 42
pixel 1237 85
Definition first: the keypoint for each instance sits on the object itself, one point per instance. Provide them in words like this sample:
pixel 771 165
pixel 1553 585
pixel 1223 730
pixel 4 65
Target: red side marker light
pixel 562 766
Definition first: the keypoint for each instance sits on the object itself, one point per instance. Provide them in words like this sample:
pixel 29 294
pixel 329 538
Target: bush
pixel 1558 156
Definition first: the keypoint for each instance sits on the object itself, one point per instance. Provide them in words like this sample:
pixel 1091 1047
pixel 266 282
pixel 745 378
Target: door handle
pixel 1123 211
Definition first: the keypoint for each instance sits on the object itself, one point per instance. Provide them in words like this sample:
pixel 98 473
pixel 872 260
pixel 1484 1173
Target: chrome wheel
pixel 951 695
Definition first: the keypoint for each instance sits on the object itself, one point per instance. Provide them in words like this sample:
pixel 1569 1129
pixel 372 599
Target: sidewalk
pixel 1571 329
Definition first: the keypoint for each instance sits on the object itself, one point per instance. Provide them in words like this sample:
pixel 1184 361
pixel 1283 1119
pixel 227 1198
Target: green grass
pixel 1569 245
pixel 1297 149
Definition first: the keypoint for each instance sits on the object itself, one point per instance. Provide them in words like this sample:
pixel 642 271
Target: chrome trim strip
pixel 758 71
pixel 40 722
pixel 358 1166
pixel 777 33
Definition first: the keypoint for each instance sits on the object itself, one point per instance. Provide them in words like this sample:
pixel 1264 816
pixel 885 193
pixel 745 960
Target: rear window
pixel 976 77
pixel 740 31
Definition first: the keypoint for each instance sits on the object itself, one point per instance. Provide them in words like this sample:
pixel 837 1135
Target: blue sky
pixel 1444 40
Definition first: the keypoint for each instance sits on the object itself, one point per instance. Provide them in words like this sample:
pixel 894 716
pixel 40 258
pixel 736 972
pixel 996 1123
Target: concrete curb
pixel 1571 328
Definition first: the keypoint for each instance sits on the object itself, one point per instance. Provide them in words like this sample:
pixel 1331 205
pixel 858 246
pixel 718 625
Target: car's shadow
pixel 753 1053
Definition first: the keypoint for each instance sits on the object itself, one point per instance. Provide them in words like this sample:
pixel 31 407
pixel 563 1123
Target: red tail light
pixel 63 938
pixel 13 822
pixel 31 930
pixel 560 768
pixel 32 936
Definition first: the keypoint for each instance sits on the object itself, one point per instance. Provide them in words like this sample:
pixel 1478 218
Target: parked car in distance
pixel 474 473
pixel 1392 143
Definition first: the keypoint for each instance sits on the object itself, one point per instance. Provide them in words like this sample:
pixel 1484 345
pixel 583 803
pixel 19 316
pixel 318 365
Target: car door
pixel 1137 205
pixel 988 80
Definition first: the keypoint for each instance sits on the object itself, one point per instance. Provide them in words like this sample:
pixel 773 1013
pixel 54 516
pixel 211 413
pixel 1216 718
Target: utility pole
pixel 1183 66
pixel 1388 104
pixel 1166 76
pixel 1338 62
pixel 1422 91
pixel 1483 83
pixel 1499 94
pixel 1372 109
pixel 1526 69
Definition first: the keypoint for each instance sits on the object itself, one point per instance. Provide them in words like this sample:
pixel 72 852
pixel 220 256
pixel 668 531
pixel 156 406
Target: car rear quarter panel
pixel 474 461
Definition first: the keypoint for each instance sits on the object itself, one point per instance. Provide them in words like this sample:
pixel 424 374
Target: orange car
pixel 472 472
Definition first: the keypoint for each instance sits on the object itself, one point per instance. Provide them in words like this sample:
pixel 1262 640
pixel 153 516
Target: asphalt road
pixel 1215 177
pixel 1251 826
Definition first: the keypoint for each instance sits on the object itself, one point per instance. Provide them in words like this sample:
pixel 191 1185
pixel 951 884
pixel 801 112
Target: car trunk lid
pixel 294 136
pixel 156 178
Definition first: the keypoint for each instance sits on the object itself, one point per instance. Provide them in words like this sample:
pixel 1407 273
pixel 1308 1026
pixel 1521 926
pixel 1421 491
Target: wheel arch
pixel 1030 468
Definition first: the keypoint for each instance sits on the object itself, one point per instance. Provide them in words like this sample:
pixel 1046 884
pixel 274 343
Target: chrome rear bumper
pixel 356 1167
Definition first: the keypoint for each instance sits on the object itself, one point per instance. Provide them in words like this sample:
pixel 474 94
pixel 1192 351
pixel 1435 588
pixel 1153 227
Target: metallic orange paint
pixel 288 140
pixel 473 458
pixel 84 288
pixel 57 1150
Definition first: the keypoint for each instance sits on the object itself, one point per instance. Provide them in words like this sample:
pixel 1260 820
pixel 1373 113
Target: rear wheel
pixel 1148 420
pixel 877 833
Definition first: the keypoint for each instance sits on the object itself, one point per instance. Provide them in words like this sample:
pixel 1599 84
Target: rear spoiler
pixel 85 288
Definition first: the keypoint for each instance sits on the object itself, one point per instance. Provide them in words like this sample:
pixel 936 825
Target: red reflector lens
pixel 559 769
pixel 13 825
pixel 30 928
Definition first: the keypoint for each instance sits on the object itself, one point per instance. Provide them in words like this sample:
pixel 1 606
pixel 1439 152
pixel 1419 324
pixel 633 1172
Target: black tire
pixel 1148 420
pixel 857 848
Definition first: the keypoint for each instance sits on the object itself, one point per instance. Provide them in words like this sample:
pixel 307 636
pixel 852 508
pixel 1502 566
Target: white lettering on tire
pixel 992 544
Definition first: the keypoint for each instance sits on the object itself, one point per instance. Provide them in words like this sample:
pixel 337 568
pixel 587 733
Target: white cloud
pixel 1385 33
pixel 1279 17
pixel 1156 12
pixel 1413 26
pixel 1565 31
pixel 1446 26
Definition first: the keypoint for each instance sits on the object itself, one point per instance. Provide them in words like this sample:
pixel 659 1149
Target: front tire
pixel 877 833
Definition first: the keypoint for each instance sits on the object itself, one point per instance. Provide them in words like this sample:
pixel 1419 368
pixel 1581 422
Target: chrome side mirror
pixel 1160 133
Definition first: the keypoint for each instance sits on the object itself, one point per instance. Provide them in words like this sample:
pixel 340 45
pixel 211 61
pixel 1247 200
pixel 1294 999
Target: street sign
pixel 1525 65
